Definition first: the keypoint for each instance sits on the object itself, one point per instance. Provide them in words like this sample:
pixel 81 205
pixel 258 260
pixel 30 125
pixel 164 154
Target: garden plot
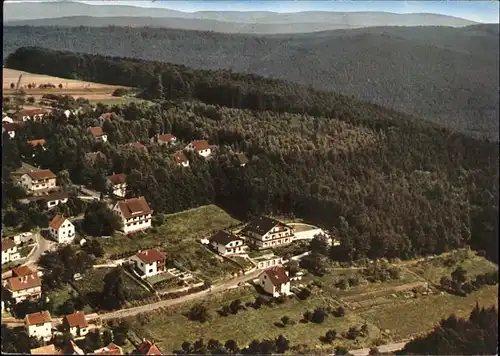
pixel 171 280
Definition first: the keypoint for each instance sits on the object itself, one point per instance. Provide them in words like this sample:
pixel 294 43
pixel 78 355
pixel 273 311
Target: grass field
pixel 172 328
pixel 92 284
pixel 59 296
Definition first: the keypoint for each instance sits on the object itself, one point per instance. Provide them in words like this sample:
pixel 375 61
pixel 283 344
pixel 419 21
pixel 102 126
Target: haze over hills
pixel 447 75
pixel 67 13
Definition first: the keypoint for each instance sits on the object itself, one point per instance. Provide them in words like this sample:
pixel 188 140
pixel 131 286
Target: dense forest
pixel 447 75
pixel 385 187
pixel 477 335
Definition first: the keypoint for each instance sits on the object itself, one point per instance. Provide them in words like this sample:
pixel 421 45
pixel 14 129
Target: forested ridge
pixel 447 75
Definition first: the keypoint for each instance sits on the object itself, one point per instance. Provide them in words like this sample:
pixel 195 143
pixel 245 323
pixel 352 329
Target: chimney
pixel 143 339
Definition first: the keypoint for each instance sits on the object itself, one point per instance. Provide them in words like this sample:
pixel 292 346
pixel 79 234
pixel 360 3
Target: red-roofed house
pixel 111 349
pixel 147 348
pixel 150 262
pixel 201 147
pixel 164 139
pixel 38 142
pixel 180 159
pixel 39 325
pixel 31 114
pixel 118 183
pixel 134 213
pixel 62 229
pixel 9 251
pixel 21 288
pixel 275 281
pixel 98 134
pixel 76 324
pixel 38 180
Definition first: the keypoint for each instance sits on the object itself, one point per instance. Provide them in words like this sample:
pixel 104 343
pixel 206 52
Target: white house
pixel 76 324
pixel 38 180
pixel 267 261
pixel 264 232
pixel 39 325
pixel 51 200
pixel 62 230
pixel 118 183
pixel 23 287
pixel 150 262
pixel 98 134
pixel 180 159
pixel 165 139
pixel 135 214
pixel 226 243
pixel 275 281
pixel 201 147
pixel 9 251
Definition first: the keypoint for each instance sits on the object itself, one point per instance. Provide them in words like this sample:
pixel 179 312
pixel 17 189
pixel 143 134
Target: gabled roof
pixel 133 207
pixel 200 145
pixel 179 157
pixel 46 350
pixel 41 174
pixel 150 256
pixel 16 284
pixel 96 131
pixel 72 349
pixel 7 244
pixel 111 349
pixel 107 115
pixel 38 318
pixel 12 126
pixel 118 178
pixel 30 112
pixel 262 225
pixel 138 145
pixel 22 271
pixel 166 137
pixel 40 142
pixel 223 237
pixel 148 348
pixel 76 319
pixel 57 221
pixel 277 275
pixel 58 195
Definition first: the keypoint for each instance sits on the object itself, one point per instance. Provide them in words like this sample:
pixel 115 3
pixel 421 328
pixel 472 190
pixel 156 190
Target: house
pixel 38 180
pixel 275 281
pixel 6 118
pixel 62 230
pixel 22 271
pixel 227 243
pixel 118 184
pixel 201 147
pixel 39 325
pixel 40 142
pixel 147 347
pixel 9 251
pixel 180 159
pixel 135 214
pixel 76 324
pixel 267 261
pixel 31 114
pixel 165 139
pixel 24 287
pixel 11 127
pixel 51 200
pixel 149 262
pixel 46 350
pixel 138 146
pixel 264 232
pixel 111 349
pixel 72 349
pixel 106 116
pixel 242 159
pixel 99 135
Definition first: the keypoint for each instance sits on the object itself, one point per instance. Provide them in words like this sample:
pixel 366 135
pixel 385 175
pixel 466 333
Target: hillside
pixel 446 75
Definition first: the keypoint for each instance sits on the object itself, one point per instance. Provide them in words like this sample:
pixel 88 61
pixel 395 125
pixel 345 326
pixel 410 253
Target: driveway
pixel 42 245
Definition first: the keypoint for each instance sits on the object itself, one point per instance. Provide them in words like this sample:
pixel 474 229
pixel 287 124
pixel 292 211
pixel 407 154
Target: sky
pixel 480 11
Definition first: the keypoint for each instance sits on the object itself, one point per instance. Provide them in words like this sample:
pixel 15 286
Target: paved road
pixel 382 349
pixel 217 288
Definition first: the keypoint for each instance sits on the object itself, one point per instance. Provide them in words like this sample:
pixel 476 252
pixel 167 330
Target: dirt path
pixel 382 349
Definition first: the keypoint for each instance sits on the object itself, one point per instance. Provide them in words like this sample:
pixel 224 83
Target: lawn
pixel 115 100
pixel 25 250
pixel 186 226
pixel 433 270
pixel 92 284
pixel 415 316
pixel 171 328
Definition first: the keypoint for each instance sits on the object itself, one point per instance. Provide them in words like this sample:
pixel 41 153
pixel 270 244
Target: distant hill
pixel 67 13
pixel 447 75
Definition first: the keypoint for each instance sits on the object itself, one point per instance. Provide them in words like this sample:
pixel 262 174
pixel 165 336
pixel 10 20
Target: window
pixel 151 270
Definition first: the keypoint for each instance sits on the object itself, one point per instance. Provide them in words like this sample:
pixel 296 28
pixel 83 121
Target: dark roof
pixel 262 225
pixel 58 195
pixel 223 237
pixel 242 158
pixel 134 206
pixel 117 178
pixel 179 157
pixel 277 275
pixel 12 126
pixel 148 348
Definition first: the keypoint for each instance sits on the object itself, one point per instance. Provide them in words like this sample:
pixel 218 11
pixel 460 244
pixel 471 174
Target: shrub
pixel 318 316
pixel 330 336
pixel 119 92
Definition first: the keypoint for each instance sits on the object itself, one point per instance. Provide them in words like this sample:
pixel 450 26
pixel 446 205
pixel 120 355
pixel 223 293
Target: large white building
pixel 62 230
pixel 149 262
pixel 275 281
pixel 38 180
pixel 9 251
pixel 134 213
pixel 264 232
pixel 39 325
